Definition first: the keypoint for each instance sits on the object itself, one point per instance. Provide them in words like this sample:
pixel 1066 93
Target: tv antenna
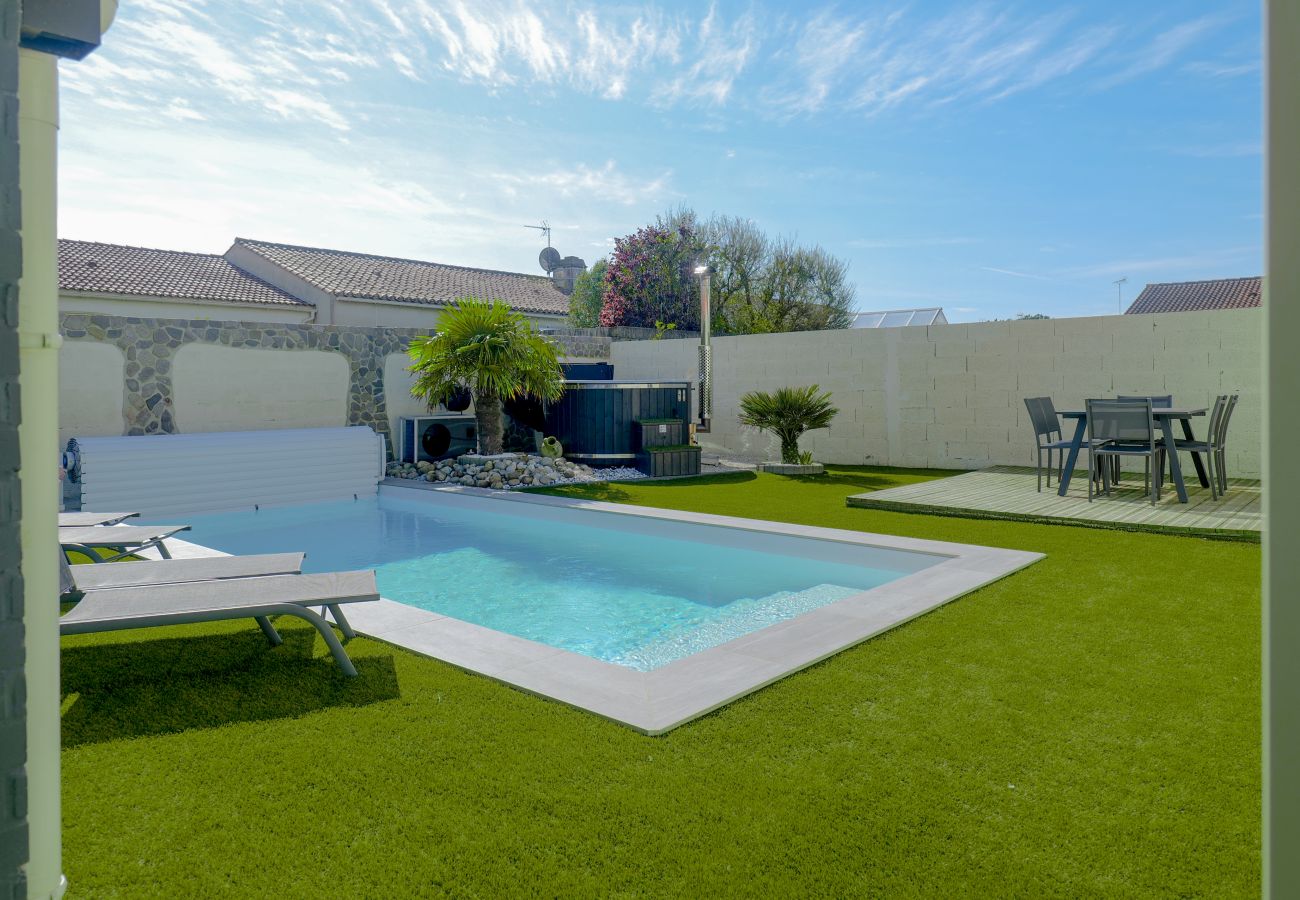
pixel 544 228
pixel 1119 292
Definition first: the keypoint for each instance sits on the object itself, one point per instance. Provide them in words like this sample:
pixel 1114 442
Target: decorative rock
pixel 505 471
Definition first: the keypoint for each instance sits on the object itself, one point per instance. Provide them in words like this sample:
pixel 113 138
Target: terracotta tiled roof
pixel 97 268
pixel 1189 296
pixel 346 274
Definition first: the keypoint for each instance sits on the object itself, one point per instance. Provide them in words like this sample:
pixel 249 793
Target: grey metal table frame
pixel 1166 417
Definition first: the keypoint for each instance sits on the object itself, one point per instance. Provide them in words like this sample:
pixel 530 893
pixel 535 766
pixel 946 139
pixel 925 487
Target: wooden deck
pixel 1009 492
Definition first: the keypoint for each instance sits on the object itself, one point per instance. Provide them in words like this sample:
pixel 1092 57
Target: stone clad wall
pixel 952 396
pixel 147 372
pixel 150 345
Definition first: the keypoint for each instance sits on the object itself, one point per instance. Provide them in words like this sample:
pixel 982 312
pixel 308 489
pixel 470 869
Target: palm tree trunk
pixel 789 447
pixel 487 410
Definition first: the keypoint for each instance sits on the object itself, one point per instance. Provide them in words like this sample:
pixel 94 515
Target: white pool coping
pixel 658 701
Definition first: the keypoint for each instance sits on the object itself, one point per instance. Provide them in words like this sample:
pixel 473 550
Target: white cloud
pixel 180 110
pixel 606 183
pixel 1014 273
pixel 1163 49
pixel 906 243
pixel 1183 263
pixel 1225 69
pixel 289 58
pixel 721 52
pixel 1230 149
pixel 294 105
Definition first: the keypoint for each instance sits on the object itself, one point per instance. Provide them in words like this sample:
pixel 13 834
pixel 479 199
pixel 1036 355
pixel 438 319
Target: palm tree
pixel 788 414
pixel 495 353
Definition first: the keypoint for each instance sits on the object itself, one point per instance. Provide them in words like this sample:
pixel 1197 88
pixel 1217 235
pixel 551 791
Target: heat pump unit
pixel 432 438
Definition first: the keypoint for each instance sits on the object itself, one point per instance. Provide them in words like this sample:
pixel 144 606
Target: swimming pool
pixel 649 617
pixel 631 591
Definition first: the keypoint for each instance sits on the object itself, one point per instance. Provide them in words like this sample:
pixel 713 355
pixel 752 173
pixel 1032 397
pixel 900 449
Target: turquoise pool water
pixel 625 589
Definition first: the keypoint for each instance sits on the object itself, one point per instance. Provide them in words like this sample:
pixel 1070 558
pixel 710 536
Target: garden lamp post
pixel 705 272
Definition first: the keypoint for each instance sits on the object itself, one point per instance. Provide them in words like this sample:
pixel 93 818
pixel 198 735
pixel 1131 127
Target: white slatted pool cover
pixel 191 473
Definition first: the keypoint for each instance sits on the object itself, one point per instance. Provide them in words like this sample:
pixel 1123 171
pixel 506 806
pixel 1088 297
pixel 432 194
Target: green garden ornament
pixel 551 448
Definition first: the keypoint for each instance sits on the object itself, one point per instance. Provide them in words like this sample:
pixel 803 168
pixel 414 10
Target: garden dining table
pixel 1166 416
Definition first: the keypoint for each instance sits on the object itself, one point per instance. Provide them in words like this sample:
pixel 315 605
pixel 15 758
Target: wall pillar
pixel 38 298
pixel 1281 477
pixel 13 706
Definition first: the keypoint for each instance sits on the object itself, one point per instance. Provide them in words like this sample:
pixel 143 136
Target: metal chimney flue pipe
pixel 705 273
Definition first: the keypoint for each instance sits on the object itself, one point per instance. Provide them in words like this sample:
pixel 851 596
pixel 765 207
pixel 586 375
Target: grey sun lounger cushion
pixel 233 598
pixel 126 538
pixel 174 571
pixel 76 519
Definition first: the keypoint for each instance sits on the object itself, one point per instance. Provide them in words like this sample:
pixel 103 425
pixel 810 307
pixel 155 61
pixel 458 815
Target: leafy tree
pixel 588 296
pixel 493 351
pixel 798 289
pixel 760 284
pixel 1032 316
pixel 788 413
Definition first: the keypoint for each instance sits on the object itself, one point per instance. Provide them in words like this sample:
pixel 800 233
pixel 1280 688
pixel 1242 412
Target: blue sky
pixel 991 158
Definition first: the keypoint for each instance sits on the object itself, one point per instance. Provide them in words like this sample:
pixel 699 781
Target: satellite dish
pixel 549 259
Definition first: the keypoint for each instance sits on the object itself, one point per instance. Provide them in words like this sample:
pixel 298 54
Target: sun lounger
pixel 176 571
pixel 232 598
pixel 124 539
pixel 81 519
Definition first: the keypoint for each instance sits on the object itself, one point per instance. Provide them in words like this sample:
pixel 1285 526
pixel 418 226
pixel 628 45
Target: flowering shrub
pixel 650 279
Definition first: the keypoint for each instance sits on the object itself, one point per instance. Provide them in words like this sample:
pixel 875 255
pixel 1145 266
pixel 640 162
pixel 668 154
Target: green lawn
pixel 1087 727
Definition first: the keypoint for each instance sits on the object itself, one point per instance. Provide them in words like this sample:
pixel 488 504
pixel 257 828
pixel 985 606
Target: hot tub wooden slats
pixel 596 420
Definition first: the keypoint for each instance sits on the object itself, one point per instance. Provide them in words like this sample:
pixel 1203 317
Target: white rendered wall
pixel 952 396
pixel 170 308
pixel 384 313
pixel 90 389
pixel 397 390
pixel 227 389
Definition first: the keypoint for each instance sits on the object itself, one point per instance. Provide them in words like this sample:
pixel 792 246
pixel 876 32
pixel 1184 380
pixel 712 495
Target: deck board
pixel 1010 492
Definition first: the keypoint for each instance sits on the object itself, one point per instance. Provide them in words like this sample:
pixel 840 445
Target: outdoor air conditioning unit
pixel 431 438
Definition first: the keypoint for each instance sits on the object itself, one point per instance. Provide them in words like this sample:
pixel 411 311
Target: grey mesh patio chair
pixel 1213 447
pixel 1222 467
pixel 1127 429
pixel 124 540
pixel 1158 401
pixel 85 519
pixel 259 598
pixel 176 571
pixel 1047 437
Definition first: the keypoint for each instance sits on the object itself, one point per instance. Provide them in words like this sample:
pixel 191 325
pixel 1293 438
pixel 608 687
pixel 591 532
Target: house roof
pixel 890 318
pixel 345 274
pixel 1189 296
pixel 96 268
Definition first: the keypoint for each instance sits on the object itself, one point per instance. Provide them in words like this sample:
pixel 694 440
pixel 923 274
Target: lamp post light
pixel 705 272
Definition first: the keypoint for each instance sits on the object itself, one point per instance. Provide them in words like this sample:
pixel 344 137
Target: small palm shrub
pixel 788 413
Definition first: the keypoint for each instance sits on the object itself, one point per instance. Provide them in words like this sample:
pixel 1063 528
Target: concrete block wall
pixel 952 396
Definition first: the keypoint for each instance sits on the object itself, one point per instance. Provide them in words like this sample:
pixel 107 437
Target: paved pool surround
pixel 658 701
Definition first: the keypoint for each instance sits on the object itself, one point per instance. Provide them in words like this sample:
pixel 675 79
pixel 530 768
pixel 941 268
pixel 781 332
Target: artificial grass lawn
pixel 1087 727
